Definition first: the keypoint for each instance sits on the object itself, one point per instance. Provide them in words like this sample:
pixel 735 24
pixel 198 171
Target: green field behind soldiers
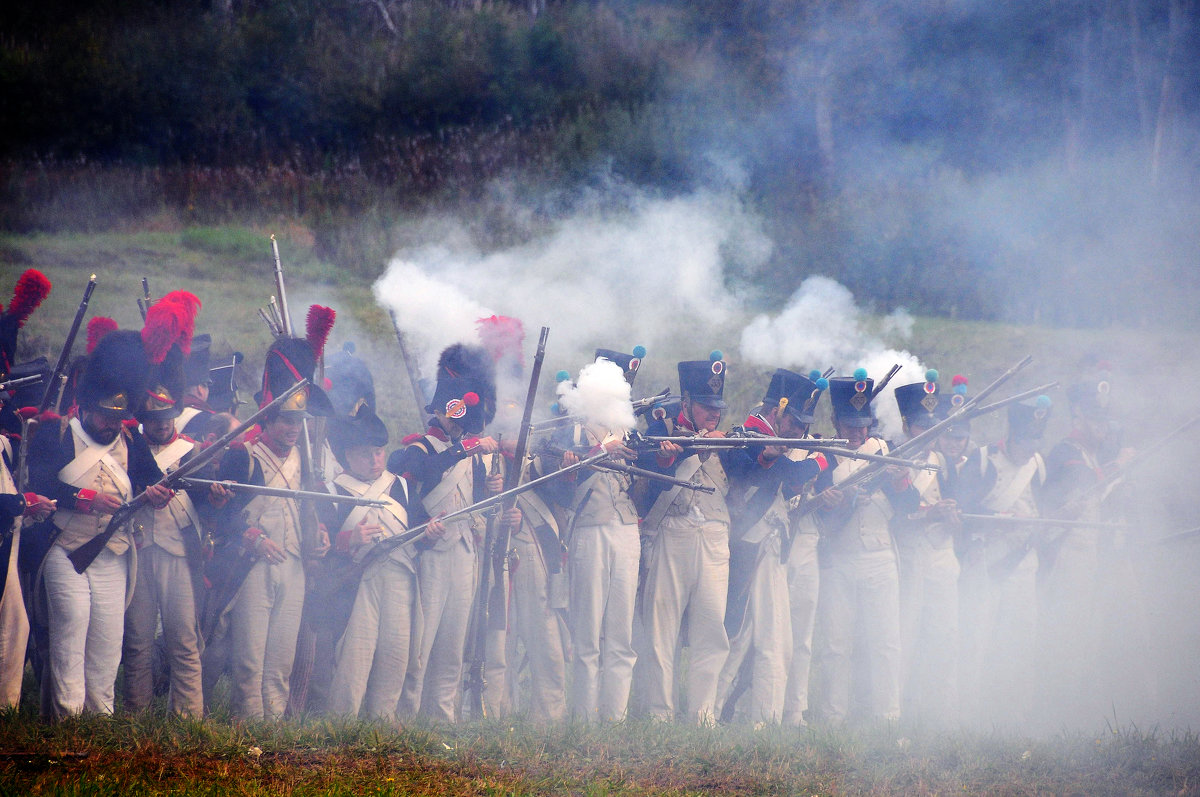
pixel 230 268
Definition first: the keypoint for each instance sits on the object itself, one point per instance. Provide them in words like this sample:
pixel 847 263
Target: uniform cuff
pixel 83 500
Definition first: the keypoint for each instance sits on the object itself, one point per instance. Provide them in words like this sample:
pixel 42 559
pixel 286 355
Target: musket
pixel 85 554
pixel 144 301
pixel 476 683
pixel 29 426
pixel 13 384
pixel 410 366
pixel 636 471
pixel 282 492
pixel 884 382
pixel 745 441
pixel 1119 472
pixel 269 321
pixel 1013 520
pixel 803 504
pixel 384 546
pixel 285 318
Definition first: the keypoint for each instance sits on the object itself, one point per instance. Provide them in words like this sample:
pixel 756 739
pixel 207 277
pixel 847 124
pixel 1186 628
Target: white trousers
pixel 929 631
pixel 537 630
pixel 264 622
pixel 765 637
pixel 87 622
pixel 859 602
pixel 163 588
pixel 447 581
pixel 373 654
pixel 14 629
pixel 688 572
pixel 603 564
pixel 804 583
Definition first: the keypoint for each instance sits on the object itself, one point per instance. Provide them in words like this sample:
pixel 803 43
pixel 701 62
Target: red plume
pixel 502 336
pixel 170 320
pixel 97 328
pixel 31 289
pixel 959 379
pixel 317 325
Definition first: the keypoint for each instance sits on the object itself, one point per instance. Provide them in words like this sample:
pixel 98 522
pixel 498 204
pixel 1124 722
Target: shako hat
pixel 364 428
pixel 196 369
pixel 628 363
pixel 351 384
pixel 115 375
pixel 31 289
pixel 288 361
pixel 923 403
pixel 167 337
pixel 1090 397
pixel 464 368
pixel 851 398
pixel 703 381
pixel 1027 420
pixel 795 393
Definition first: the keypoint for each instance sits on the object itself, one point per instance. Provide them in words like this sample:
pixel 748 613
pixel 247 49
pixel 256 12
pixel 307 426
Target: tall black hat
pixel 1091 397
pixel 288 361
pixel 460 399
pixel 1027 420
pixel 196 367
pixel 115 376
pixel 923 403
pixel 351 384
pixel 851 398
pixel 802 393
pixel 475 367
pixel 703 381
pixel 629 363
pixel 361 429
pixel 31 289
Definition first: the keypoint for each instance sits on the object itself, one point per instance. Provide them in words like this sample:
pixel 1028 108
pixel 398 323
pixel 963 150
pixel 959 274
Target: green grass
pixel 154 753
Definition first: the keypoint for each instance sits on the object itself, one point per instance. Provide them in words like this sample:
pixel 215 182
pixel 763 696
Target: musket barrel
pixel 283 492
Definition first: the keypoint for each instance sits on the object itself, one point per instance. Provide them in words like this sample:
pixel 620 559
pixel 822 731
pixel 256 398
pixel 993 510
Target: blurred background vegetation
pixel 854 125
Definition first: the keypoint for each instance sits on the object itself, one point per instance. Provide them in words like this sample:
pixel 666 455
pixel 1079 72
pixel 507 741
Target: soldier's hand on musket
pixel 831 498
pixel 105 504
pixel 617 448
pixel 266 548
pixel 569 458
pixel 365 534
pixel 512 519
pixel 40 507
pixel 218 495
pixel 435 530
pixel 667 452
pixel 711 433
pixel 158 495
pixel 322 542
pixel 494 483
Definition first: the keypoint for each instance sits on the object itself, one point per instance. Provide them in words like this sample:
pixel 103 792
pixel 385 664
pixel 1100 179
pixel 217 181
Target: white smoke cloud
pixel 601 395
pixel 820 327
pixel 603 276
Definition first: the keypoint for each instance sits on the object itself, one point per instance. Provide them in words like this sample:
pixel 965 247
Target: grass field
pixel 230 269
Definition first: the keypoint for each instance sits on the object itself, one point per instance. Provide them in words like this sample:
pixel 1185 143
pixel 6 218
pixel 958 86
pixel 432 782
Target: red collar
pixel 438 433
pixel 757 423
pixel 684 422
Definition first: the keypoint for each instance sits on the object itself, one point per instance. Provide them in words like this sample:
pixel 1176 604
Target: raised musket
pixel 284 317
pixel 410 365
pixel 29 425
pixel 85 554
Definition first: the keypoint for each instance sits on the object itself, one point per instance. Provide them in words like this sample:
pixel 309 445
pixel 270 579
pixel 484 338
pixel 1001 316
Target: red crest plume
pixel 169 321
pixel 959 379
pixel 317 326
pixel 31 289
pixel 97 328
pixel 502 336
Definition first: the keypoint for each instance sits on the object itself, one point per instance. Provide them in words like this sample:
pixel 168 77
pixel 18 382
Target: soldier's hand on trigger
pixel 668 451
pixel 711 433
pixel 512 519
pixel 618 449
pixel 218 495
pixel 569 458
pixel 40 508
pixel 158 495
pixel 268 549
pixel 494 483
pixel 435 530
pixel 946 511
pixel 365 534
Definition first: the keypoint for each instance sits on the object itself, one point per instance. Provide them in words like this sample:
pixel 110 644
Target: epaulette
pixel 410 439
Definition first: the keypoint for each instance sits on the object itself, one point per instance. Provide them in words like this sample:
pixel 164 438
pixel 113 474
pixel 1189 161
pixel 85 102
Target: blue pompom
pixel 814 374
pixel 860 374
pixel 1044 402
pixel 715 355
pixel 931 375
pixel 822 383
pixel 562 376
pixel 960 390
pixel 639 351
pixel 555 409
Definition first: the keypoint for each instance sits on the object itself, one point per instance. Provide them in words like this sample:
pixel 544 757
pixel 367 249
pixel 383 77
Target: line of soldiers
pixel 316 571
